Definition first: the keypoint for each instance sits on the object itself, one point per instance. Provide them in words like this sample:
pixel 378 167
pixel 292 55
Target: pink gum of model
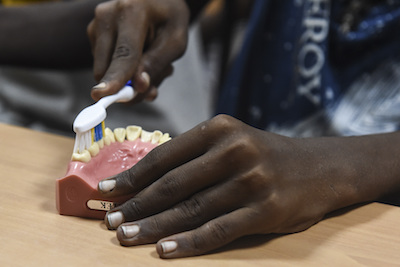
pixel 79 185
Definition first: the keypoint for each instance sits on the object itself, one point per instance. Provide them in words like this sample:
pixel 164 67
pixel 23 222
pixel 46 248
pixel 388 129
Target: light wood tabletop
pixel 32 233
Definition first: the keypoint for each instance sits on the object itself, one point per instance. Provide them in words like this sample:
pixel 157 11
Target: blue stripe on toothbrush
pixel 98 132
pixel 99 129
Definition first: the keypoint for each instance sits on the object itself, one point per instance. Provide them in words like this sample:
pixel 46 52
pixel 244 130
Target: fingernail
pixel 106 186
pixel 146 78
pixel 130 230
pixel 115 219
pixel 169 246
pixel 101 85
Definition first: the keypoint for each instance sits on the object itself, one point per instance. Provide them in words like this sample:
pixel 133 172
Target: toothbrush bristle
pixel 85 140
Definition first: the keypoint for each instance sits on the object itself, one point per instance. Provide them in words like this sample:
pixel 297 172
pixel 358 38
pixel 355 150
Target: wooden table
pixel 32 233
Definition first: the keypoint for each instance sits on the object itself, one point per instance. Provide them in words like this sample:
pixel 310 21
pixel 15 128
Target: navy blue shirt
pixel 300 74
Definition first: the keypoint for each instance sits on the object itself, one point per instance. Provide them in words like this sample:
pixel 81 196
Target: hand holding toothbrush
pixel 136 40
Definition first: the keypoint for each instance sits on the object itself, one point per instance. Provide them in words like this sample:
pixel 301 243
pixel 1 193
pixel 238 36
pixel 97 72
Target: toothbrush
pixel 89 124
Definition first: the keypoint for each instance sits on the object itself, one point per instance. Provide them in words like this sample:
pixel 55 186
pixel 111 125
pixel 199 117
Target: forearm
pixel 360 169
pixel 49 35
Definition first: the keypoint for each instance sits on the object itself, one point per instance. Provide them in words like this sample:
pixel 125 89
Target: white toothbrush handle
pixel 124 95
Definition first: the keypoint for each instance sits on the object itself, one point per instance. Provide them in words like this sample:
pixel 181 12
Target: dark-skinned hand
pixel 136 40
pixel 224 179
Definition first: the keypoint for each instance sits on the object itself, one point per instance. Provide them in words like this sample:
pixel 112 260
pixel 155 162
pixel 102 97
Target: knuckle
pixel 241 152
pixel 147 62
pixel 253 180
pixel 171 187
pixel 215 235
pixel 191 210
pixel 198 243
pixel 156 226
pixel 124 4
pixel 221 120
pixel 220 125
pixel 274 204
pixel 122 51
pixel 151 65
pixel 179 39
pixel 101 10
pixel 244 147
pixel 218 233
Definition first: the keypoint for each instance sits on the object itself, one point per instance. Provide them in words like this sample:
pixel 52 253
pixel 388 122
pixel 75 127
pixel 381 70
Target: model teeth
pixel 120 134
pixel 164 138
pixel 146 136
pixel 101 143
pixel 155 138
pixel 84 156
pixel 109 133
pixel 107 140
pixel 130 133
pixel 94 149
pixel 133 132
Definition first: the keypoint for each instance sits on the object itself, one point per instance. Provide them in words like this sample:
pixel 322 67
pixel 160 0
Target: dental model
pixel 117 151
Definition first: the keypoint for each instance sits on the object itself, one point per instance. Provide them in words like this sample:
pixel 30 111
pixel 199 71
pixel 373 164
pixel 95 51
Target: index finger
pixel 126 54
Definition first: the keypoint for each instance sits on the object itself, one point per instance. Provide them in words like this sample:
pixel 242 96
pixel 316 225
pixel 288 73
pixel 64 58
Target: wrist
pixel 358 169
